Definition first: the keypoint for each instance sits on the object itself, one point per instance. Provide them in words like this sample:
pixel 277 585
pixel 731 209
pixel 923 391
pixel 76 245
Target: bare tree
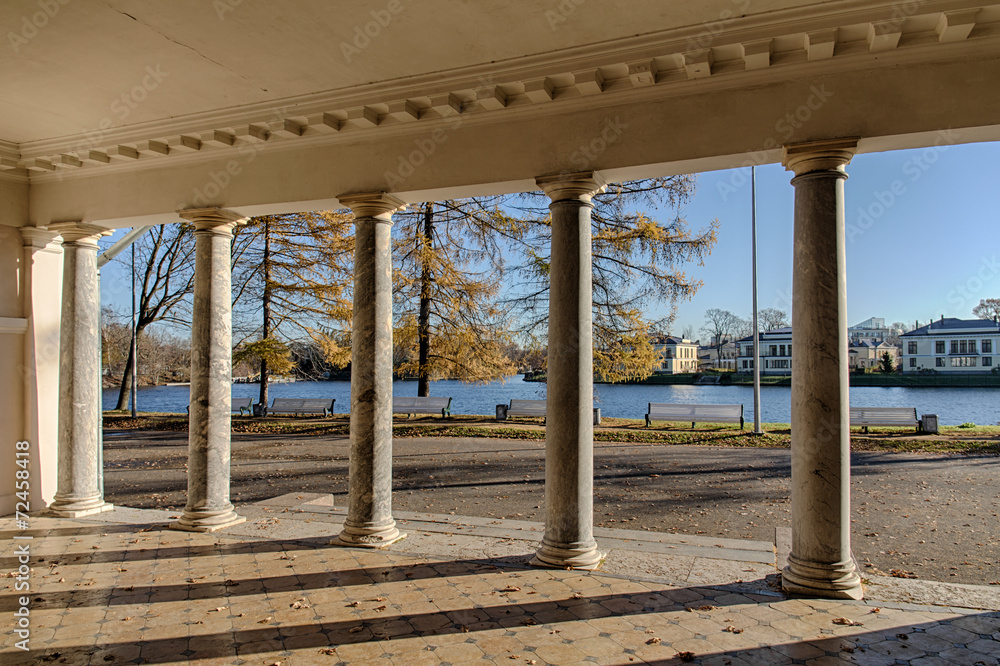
pixel 988 308
pixel 165 263
pixel 772 318
pixel 721 326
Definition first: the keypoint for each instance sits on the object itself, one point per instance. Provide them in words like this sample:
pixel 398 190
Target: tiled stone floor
pixel 113 593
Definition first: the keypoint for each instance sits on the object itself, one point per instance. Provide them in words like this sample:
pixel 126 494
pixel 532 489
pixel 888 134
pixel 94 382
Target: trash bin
pixel 929 424
pixel 501 412
pixel 597 416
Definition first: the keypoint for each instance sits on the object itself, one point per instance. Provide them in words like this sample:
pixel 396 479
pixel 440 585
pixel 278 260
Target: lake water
pixel 952 405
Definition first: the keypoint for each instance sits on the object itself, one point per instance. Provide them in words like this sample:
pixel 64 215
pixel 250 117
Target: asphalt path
pixel 932 517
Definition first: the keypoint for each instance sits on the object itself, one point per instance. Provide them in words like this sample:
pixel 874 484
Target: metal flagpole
pixel 756 329
pixel 135 346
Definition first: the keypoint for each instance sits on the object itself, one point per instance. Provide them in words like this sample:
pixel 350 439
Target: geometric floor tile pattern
pixel 104 593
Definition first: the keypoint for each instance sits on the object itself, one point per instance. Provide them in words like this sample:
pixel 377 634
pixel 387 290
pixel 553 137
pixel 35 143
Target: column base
pixel 554 557
pixel 69 511
pixel 207 521
pixel 368 536
pixel 838 580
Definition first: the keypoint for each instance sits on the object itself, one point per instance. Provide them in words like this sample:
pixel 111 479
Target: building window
pixel 987 346
pixel 987 361
pixel 912 347
pixel 963 347
pixel 939 361
pixel 972 346
pixel 774 350
pixel 913 361
pixel 954 346
pixel 963 361
pixel 939 347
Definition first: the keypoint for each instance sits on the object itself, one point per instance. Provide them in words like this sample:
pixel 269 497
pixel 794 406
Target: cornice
pixel 749 51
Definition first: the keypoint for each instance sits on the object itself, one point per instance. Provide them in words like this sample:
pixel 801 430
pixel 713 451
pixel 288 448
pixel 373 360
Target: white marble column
pixel 820 563
pixel 209 423
pixel 369 520
pixel 79 488
pixel 569 426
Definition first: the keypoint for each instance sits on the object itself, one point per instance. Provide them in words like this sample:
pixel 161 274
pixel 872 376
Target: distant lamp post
pixel 756 329
pixel 135 345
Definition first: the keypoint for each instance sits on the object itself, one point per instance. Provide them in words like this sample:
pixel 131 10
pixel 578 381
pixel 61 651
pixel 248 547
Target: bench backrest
pixel 527 404
pixel 692 412
pixel 430 402
pixel 291 404
pixel 901 414
pixel 243 403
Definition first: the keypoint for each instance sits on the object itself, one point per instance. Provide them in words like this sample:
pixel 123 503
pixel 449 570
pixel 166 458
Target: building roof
pixel 872 323
pixel 669 340
pixel 782 332
pixel 953 326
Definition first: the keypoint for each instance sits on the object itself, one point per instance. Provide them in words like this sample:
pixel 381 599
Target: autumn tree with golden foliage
pixel 293 273
pixel 637 266
pixel 448 276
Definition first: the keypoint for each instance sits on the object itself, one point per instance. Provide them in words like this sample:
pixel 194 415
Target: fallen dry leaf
pixel 901 573
pixel 847 621
pixel 733 630
pixel 653 641
pixel 685 656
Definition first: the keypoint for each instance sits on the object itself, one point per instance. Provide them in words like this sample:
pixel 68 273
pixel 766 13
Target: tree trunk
pixel 266 330
pixel 125 389
pixel 424 317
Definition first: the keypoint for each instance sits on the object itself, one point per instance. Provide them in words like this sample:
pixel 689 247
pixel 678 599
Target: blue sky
pixel 923 228
pixel 927 247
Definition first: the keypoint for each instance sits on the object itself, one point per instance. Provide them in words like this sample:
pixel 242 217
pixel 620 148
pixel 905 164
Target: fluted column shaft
pixel 209 422
pixel 79 488
pixel 569 427
pixel 369 520
pixel 820 563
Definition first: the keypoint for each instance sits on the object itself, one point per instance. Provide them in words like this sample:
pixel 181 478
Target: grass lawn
pixel 975 440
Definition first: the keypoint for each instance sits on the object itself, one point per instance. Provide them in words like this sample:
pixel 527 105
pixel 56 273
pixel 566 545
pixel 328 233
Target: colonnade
pixel 820 563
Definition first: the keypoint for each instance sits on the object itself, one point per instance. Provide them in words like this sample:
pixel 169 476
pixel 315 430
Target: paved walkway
pixel 119 588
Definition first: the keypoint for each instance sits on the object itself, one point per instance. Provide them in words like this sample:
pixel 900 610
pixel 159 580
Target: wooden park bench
pixel 298 406
pixel 661 411
pixel 884 416
pixel 537 408
pixel 421 405
pixel 237 405
pixel 526 408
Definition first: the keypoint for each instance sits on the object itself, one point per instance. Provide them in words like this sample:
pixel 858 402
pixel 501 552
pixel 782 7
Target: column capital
pixel 41 240
pixel 824 155
pixel 371 204
pixel 79 233
pixel 581 185
pixel 218 220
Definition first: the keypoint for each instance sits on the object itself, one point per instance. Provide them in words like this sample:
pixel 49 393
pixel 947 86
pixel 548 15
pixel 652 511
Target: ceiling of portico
pixel 66 76
pixel 136 90
pixel 80 66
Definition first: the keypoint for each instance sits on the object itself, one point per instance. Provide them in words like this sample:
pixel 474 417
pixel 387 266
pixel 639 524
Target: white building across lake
pixel 952 345
pixel 775 352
